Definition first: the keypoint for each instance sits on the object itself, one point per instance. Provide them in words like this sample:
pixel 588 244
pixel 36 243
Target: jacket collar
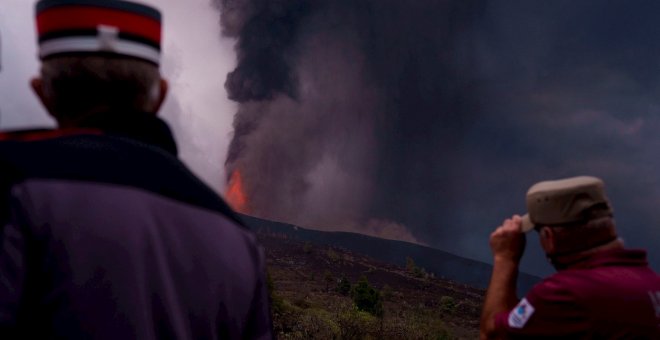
pixel 143 127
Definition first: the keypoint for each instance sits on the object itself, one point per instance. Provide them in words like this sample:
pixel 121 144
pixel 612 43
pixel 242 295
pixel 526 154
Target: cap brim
pixel 527 224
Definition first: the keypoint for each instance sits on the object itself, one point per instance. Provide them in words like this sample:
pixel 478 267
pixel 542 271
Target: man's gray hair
pixel 78 86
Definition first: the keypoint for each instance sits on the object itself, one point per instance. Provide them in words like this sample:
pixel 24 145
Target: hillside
pixel 440 263
pixel 308 304
pixel 423 293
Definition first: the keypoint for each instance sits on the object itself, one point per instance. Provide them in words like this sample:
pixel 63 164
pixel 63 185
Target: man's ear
pixel 162 94
pixel 37 85
pixel 547 238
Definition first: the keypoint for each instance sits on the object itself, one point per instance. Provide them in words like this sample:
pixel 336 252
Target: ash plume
pixel 435 116
pixel 326 86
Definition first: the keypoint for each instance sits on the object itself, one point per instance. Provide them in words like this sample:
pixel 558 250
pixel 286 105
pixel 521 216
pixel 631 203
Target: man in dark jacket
pixel 105 234
pixel 601 289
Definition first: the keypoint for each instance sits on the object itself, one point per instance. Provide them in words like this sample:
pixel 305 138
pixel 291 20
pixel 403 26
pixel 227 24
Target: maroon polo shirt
pixel 612 295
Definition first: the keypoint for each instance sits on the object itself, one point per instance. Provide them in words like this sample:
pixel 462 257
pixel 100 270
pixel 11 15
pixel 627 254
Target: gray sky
pixel 434 117
pixel 196 61
pixel 406 116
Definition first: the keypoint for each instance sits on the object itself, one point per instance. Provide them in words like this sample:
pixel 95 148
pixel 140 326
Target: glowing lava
pixel 235 194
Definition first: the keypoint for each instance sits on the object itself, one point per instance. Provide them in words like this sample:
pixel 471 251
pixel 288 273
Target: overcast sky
pixel 434 117
pixel 196 61
pixel 431 117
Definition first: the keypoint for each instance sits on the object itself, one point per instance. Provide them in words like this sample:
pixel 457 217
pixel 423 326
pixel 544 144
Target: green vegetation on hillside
pixel 366 298
pixel 328 293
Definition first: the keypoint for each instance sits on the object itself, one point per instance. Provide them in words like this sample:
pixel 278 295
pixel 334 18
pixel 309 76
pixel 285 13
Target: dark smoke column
pixel 351 111
pixel 266 33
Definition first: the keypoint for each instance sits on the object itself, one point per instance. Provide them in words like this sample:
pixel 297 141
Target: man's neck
pixel 569 261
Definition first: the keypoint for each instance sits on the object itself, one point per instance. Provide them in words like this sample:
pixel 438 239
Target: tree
pixel 367 298
pixel 412 268
pixel 410 264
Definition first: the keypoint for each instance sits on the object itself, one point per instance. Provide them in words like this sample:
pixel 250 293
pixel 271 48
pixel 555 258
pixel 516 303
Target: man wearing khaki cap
pixel 104 232
pixel 601 289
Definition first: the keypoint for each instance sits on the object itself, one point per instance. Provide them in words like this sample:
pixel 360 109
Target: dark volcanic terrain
pixel 307 302
pixel 441 263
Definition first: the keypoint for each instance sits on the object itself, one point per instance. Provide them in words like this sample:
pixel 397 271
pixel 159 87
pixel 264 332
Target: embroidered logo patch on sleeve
pixel 519 316
pixel 655 299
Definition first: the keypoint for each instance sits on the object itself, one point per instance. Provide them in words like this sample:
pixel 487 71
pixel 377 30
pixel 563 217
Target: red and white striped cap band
pixel 98 26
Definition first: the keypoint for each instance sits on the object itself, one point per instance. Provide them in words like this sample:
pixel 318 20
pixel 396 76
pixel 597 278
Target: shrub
pixel 410 264
pixel 412 268
pixel 305 323
pixel 416 326
pixel 367 298
pixel 433 330
pixel 307 248
pixel 316 324
pixel 276 302
pixel 332 255
pixel 387 292
pixel 448 304
pixel 344 286
pixel 329 279
pixel 302 303
pixel 357 324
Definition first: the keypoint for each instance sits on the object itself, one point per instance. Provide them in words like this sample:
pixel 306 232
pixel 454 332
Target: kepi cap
pixel 563 201
pixel 98 26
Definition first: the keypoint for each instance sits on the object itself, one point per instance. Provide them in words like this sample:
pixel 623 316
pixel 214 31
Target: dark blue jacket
pixel 107 235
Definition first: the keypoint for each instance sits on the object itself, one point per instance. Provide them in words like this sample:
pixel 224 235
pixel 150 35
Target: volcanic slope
pixel 440 263
pixel 313 288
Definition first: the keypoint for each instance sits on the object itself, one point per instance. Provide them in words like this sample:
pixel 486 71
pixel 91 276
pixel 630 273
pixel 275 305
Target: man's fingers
pixel 510 225
pixel 517 223
pixel 507 241
pixel 513 224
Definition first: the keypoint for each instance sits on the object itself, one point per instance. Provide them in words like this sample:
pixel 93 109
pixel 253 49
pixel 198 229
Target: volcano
pixel 442 264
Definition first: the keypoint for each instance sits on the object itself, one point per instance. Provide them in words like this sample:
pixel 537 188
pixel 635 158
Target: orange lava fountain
pixel 235 194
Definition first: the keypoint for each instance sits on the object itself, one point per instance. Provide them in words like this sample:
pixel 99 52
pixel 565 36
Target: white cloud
pixel 196 62
pixel 19 62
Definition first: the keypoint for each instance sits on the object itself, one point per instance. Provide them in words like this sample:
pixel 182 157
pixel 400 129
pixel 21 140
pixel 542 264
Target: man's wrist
pixel 503 261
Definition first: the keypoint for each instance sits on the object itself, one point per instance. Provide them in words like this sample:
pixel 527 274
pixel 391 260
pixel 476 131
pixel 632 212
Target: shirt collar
pixel 613 257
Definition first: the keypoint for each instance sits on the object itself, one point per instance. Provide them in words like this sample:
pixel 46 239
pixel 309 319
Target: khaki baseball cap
pixel 563 201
